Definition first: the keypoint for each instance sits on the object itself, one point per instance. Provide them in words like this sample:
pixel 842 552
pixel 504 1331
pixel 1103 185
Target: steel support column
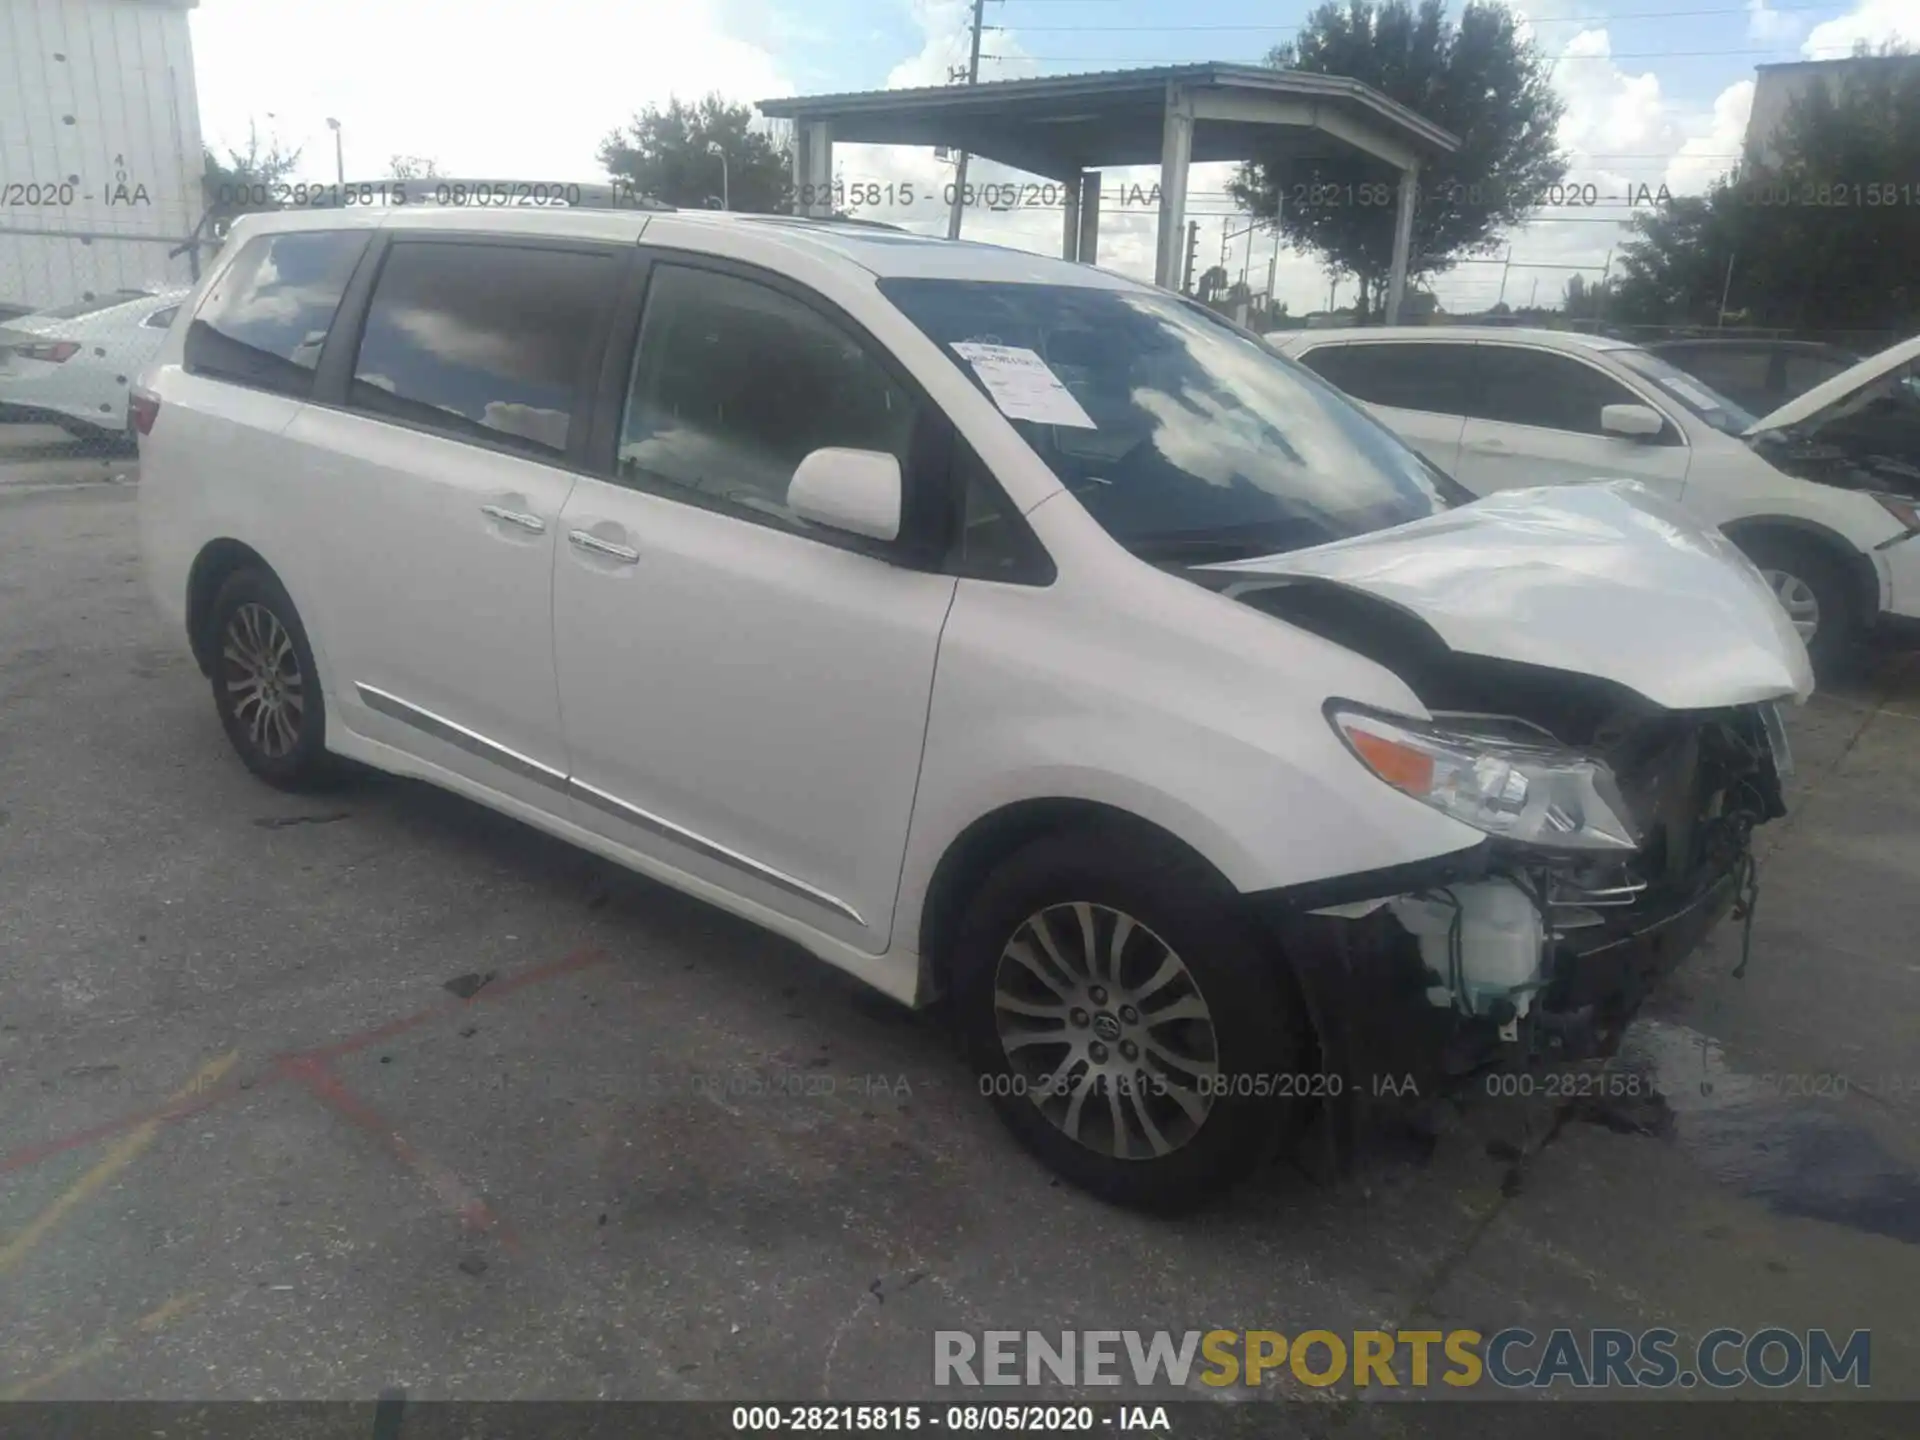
pixel 1176 154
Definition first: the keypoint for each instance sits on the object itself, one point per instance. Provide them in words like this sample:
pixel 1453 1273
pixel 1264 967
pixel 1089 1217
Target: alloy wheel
pixel 1796 597
pixel 264 687
pixel 1106 1031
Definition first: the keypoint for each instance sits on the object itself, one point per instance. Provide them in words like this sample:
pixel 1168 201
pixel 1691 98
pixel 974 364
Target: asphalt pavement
pixel 314 1097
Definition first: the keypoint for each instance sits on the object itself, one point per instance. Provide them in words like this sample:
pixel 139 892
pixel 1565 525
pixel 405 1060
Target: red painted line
pixel 453 1193
pixel 33 1154
pixel 79 1139
pixel 566 965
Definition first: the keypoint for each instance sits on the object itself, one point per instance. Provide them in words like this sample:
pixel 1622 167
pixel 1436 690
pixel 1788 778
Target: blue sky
pixel 1657 93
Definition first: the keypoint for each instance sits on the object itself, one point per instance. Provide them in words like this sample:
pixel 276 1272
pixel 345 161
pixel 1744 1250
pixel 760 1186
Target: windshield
pixel 1707 403
pixel 1184 437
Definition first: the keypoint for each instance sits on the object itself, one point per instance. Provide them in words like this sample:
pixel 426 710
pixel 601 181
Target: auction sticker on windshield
pixel 1023 385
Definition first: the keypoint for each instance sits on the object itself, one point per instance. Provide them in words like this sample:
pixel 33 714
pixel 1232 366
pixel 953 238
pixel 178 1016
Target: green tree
pixel 1586 299
pixel 1822 237
pixel 413 167
pixel 1477 77
pixel 1674 269
pixel 244 182
pixel 669 155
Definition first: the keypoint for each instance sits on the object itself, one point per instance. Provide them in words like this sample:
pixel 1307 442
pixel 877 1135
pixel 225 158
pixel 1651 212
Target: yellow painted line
pixel 86 1355
pixel 154 1319
pixel 124 1152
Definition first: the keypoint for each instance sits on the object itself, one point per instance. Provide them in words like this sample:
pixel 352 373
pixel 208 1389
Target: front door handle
pixel 515 517
pixel 1488 447
pixel 587 540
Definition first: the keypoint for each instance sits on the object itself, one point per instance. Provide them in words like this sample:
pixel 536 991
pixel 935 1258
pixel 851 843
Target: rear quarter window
pixel 1403 375
pixel 266 318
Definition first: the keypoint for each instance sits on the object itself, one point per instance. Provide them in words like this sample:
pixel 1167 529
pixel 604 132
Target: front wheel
pixel 1128 1028
pixel 265 685
pixel 1812 588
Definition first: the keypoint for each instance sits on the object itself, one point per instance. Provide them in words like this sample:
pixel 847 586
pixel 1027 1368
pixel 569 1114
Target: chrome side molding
pixel 645 820
pixel 474 743
pixel 470 741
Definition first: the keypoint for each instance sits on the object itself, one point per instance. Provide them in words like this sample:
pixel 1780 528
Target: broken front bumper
pixel 1368 989
pixel 1613 971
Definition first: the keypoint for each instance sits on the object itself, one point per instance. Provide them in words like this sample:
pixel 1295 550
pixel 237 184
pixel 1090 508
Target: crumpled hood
pixel 1605 579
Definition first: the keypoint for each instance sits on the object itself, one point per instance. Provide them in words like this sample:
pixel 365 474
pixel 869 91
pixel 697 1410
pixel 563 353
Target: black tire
pixel 250 613
pixel 1257 1023
pixel 1838 627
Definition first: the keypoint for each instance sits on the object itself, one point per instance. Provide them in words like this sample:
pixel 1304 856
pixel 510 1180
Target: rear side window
pixel 1538 387
pixel 265 319
pixel 1414 376
pixel 493 343
pixel 735 383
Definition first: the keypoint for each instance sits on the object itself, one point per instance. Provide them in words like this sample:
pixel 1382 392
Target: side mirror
pixel 1635 422
pixel 857 491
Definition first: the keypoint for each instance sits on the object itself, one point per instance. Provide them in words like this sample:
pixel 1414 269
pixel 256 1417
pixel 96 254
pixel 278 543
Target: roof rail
pixel 458 192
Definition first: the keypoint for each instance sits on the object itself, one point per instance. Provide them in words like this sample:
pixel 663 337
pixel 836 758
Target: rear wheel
pixel 1812 588
pixel 1129 1029
pixel 264 683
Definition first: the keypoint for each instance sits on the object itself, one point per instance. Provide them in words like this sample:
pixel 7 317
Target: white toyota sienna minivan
pixel 991 626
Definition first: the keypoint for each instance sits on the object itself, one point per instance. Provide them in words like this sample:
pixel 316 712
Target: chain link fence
pixel 82 312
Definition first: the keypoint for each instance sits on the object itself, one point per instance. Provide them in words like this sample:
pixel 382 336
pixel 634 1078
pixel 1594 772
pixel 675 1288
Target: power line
pixel 1157 62
pixel 1588 21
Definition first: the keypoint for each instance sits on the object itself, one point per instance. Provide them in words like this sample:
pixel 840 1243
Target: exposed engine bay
pixel 1544 952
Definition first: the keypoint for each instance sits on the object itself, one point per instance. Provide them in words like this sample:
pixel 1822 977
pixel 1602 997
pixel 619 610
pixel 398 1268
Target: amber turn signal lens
pixel 1399 765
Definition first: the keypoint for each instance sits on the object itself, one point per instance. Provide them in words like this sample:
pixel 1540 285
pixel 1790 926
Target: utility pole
pixel 1193 249
pixel 1273 264
pixel 1600 300
pixel 1725 289
pixel 1504 268
pixel 960 166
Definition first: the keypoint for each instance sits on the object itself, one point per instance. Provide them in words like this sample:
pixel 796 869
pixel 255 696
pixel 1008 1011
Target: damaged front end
pixel 1619 833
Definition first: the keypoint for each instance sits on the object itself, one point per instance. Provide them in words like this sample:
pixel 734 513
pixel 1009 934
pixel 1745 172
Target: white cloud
pixel 487 90
pixel 1625 135
pixel 1704 158
pixel 1625 138
pixel 1772 27
pixel 1871 21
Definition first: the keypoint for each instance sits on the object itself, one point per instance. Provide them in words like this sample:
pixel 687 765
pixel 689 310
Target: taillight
pixel 56 351
pixel 143 408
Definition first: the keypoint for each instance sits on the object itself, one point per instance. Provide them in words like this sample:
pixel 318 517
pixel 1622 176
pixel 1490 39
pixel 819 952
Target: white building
pixel 100 153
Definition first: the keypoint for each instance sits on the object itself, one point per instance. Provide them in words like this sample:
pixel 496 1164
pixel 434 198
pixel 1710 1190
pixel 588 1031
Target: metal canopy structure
pixel 1062 127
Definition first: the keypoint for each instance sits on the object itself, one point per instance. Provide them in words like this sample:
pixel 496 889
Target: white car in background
pixel 73 366
pixel 1821 493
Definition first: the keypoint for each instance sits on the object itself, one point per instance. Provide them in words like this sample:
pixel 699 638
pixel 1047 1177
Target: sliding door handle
pixel 515 517
pixel 593 544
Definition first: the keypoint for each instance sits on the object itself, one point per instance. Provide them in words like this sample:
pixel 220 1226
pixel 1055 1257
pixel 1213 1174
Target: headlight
pixel 1531 794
